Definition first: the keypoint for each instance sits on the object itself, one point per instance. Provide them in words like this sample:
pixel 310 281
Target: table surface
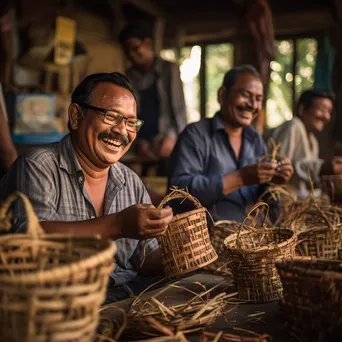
pixel 268 318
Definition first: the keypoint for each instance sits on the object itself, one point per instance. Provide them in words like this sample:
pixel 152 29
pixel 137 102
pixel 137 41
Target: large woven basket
pixel 312 298
pixel 51 286
pixel 253 253
pixel 219 232
pixel 186 245
pixel 332 185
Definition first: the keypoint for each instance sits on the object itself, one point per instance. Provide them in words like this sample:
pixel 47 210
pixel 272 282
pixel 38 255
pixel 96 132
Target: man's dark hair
pixel 135 30
pixel 231 76
pixel 84 91
pixel 307 97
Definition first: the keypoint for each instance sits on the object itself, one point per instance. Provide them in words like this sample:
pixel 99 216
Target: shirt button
pixel 80 179
pixel 92 217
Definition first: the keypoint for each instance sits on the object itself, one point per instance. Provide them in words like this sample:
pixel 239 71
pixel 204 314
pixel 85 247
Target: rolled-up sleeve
pixel 188 167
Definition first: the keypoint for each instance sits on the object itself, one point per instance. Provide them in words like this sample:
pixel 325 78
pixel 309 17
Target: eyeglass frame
pixel 104 111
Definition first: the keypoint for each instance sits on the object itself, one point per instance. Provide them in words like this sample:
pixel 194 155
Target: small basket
pixel 332 185
pixel 319 230
pixel 51 285
pixel 253 253
pixel 186 245
pixel 312 298
pixel 219 232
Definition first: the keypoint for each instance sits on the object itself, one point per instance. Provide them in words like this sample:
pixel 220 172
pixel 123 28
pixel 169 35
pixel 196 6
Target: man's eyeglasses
pixel 112 118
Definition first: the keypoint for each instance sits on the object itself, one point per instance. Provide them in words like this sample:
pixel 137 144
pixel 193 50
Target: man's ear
pixel 221 94
pixel 75 115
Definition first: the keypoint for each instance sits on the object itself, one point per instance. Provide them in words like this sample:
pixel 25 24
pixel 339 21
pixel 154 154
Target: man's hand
pixel 284 171
pixel 166 147
pixel 259 173
pixel 143 221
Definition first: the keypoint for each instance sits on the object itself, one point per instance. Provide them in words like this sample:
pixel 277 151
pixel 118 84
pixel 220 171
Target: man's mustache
pixel 124 139
pixel 246 108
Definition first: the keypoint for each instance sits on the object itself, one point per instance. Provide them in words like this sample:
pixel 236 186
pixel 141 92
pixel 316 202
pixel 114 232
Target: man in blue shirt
pixel 217 159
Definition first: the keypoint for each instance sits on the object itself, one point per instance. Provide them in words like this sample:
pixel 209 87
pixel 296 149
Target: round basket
pixel 51 285
pixel 312 298
pixel 319 230
pixel 332 185
pixel 253 253
pixel 186 245
pixel 219 232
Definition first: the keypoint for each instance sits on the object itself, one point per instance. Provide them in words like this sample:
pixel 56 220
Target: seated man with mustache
pixel 79 186
pixel 298 142
pixel 217 158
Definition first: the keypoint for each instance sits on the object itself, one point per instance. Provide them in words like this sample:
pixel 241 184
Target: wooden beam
pixel 147 6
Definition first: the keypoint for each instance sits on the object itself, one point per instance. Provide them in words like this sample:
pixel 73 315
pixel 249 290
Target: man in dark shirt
pixel 161 101
pixel 218 159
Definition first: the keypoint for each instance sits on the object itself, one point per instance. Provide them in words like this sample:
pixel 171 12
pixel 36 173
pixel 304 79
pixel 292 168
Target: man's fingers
pixel 267 166
pixel 158 213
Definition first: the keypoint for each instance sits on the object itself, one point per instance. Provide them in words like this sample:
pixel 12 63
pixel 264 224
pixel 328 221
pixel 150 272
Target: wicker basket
pixel 51 286
pixel 253 253
pixel 186 245
pixel 219 232
pixel 332 185
pixel 312 298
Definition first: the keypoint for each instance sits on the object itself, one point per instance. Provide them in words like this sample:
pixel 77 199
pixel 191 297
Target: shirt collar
pixel 217 122
pixel 69 162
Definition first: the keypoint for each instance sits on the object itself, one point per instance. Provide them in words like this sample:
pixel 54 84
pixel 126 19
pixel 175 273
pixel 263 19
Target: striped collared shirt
pixel 53 179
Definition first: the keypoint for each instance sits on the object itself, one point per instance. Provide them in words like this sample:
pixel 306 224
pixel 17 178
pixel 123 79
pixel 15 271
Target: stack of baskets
pixel 252 253
pixel 312 298
pixel 219 232
pixel 51 286
pixel 186 245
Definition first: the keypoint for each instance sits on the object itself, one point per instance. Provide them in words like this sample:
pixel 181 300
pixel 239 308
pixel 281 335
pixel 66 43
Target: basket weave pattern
pixel 253 253
pixel 51 286
pixel 186 245
pixel 220 231
pixel 312 298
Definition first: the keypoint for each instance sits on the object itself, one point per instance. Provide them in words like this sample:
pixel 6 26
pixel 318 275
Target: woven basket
pixel 312 298
pixel 186 245
pixel 51 286
pixel 219 232
pixel 253 253
pixel 332 185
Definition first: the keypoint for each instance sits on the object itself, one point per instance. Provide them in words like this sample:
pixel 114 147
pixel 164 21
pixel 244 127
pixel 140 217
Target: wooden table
pixel 271 322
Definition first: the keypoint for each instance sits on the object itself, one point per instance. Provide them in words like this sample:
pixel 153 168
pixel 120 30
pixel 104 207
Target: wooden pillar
pixel 159 27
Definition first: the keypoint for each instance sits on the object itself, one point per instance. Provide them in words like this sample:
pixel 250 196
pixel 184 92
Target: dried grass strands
pixel 229 337
pixel 151 317
pixel 253 253
pixel 186 244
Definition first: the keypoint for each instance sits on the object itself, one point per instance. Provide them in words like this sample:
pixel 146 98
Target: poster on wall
pixel 36 120
pixel 65 36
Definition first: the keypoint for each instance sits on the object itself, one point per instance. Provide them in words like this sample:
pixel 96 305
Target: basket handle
pixel 179 193
pixel 255 207
pixel 33 226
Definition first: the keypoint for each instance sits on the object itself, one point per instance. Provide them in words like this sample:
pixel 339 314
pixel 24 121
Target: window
pixel 218 60
pixel 291 73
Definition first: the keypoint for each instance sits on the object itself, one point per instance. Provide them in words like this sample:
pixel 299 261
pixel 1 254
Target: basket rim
pixel 300 267
pixel 60 271
pixel 217 223
pixel 276 247
pixel 186 214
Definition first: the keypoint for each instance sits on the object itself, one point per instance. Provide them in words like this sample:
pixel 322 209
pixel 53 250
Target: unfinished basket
pixel 186 245
pixel 253 253
pixel 312 298
pixel 332 185
pixel 219 232
pixel 51 285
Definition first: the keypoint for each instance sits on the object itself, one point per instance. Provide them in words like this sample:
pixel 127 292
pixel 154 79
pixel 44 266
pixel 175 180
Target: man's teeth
pixel 112 142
